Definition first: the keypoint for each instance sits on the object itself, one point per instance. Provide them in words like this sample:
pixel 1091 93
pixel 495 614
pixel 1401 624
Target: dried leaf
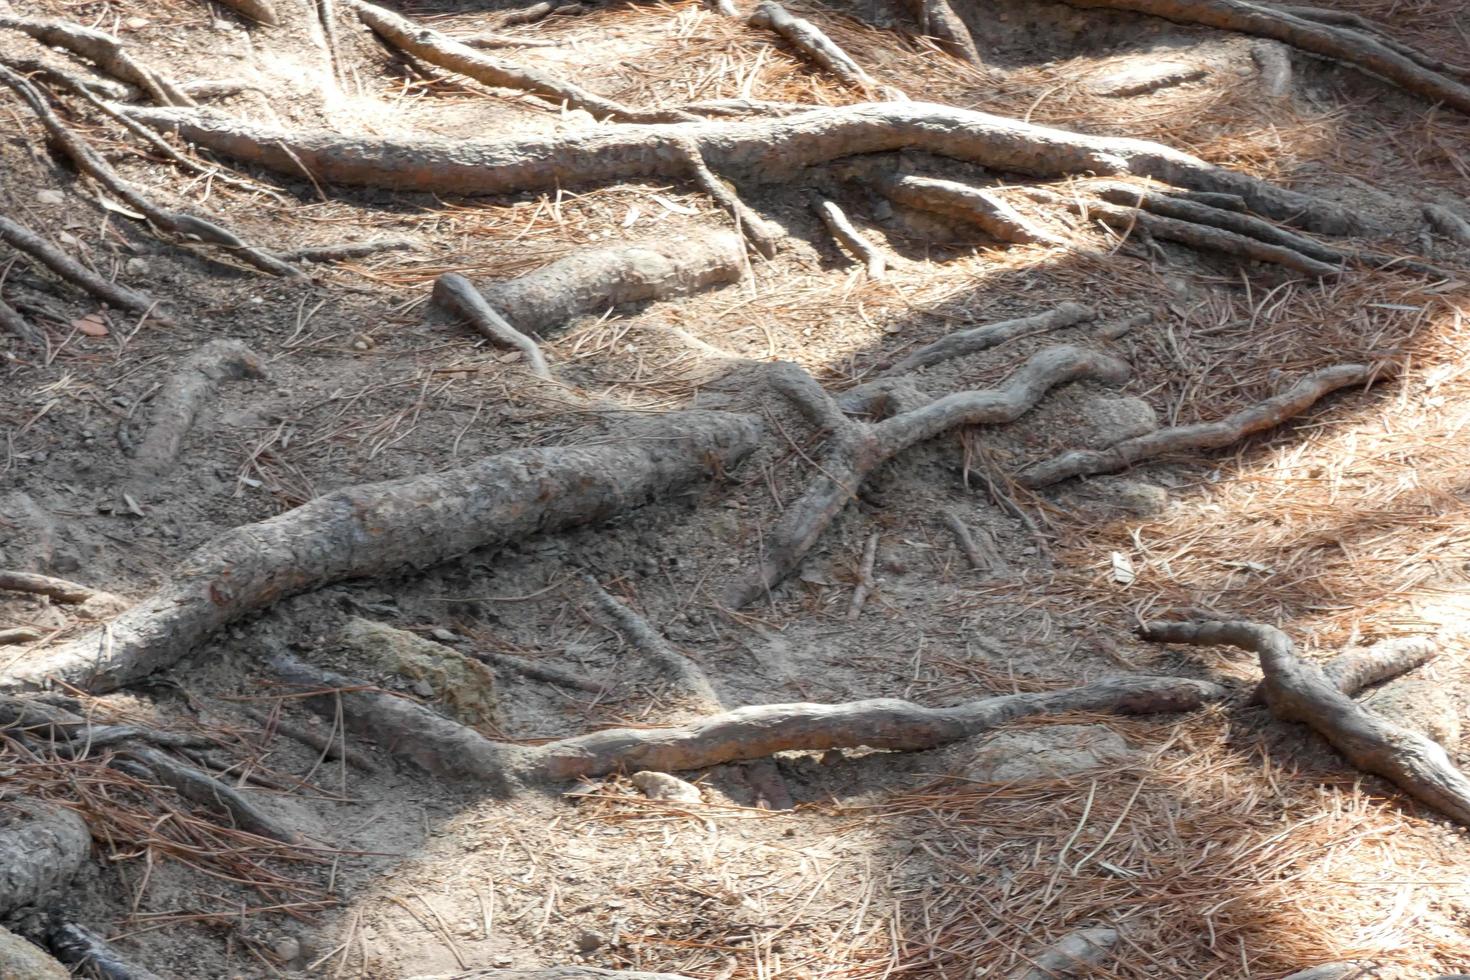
pixel 1123 571
pixel 93 325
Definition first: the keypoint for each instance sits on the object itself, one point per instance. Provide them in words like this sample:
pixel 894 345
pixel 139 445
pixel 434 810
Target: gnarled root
pixel 444 52
pixel 815 45
pixel 183 395
pixel 597 280
pixel 856 450
pixel 22 239
pixel 1300 692
pixel 375 528
pixel 1411 71
pixel 1360 667
pixel 874 261
pixel 763 149
pixel 103 50
pixel 41 847
pixel 1205 435
pixel 452 750
pixel 457 295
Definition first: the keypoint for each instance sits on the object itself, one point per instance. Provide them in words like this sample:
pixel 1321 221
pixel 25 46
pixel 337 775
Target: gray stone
pixel 24 961
pixel 662 786
pixel 1106 419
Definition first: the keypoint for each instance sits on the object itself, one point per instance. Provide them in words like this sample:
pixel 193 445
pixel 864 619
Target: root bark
pixel 183 396
pixel 103 50
pixel 22 239
pixel 816 46
pixel 940 21
pixel 375 528
pixel 1299 692
pixel 41 847
pixel 874 261
pixel 457 295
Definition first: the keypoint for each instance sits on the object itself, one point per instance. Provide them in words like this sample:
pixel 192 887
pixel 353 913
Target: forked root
pixel 457 295
pixel 940 21
pixel 1300 692
pixel 1205 435
pixel 103 50
pixel 376 528
pixel 856 450
pixel 814 44
pixel 1359 667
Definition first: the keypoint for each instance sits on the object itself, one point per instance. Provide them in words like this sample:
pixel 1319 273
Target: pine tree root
pixel 1447 223
pixel 329 747
pixel 1297 691
pixel 58 589
pixel 260 11
pixel 337 253
pixel 762 150
pixel 857 449
pixel 1359 667
pixel 939 20
pixel 987 211
pixel 537 671
pixel 89 162
pixel 178 404
pixel 199 787
pixel 1273 61
pixel 814 45
pixel 594 281
pixel 22 239
pixel 1343 44
pixel 41 848
pixel 866 583
pixel 1077 954
pixel 445 748
pixel 375 528
pixel 103 50
pixel 874 261
pixel 19 634
pixel 670 664
pixel 1186 439
pixel 13 322
pixel 437 49
pixel 752 226
pixel 963 343
pixel 455 294
pixel 982 559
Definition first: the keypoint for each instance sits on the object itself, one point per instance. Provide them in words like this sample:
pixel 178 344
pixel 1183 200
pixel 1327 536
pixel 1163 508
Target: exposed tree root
pixel 815 45
pixel 594 281
pixel 445 748
pixel 19 634
pixel 1448 223
pixel 199 787
pixel 444 52
pixel 684 673
pixel 13 322
pixel 457 295
pixel 973 340
pixel 539 672
pixel 93 955
pixel 59 589
pixel 982 559
pixel 89 162
pixel 260 11
pixel 183 395
pixel 950 198
pixel 1343 44
pixel 857 449
pixel 1077 954
pixel 938 20
pixel 24 240
pixel 329 747
pixel 1273 61
pixel 874 261
pixel 866 583
pixel 760 150
pixel 336 253
pixel 1359 667
pixel 751 225
pixel 1205 435
pixel 375 528
pixel 103 50
pixel 1300 692
pixel 41 847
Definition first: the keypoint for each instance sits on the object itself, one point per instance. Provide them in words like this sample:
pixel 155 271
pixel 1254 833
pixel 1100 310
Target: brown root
pixel 1300 692
pixel 457 295
pixel 594 281
pixel 260 11
pixel 183 395
pixel 376 528
pixel 1204 435
pixel 763 149
pixel 448 749
pixel 91 163
pixel 437 49
pixel 669 663
pixel 24 240
pixel 856 450
pixel 874 261
pixel 103 50
pixel 978 207
pixel 41 848
pixel 1344 44
pixel 938 20
pixel 813 43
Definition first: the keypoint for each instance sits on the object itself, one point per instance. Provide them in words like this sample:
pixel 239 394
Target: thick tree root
pixel 981 558
pixel 1300 692
pixel 669 663
pixel 952 199
pixel 184 394
pixel 1205 435
pixel 448 749
pixel 260 11
pixel 856 450
pixel 89 162
pixel 595 281
pixel 24 240
pixel 41 847
pixel 938 20
pixel 759 150
pixel 103 50
pixel 874 260
pixel 1317 37
pixel 1360 667
pixel 92 955
pixel 752 226
pixel 444 52
pixel 199 787
pixel 58 589
pixel 375 528
pixel 1447 223
pixel 816 46
pixel 457 295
